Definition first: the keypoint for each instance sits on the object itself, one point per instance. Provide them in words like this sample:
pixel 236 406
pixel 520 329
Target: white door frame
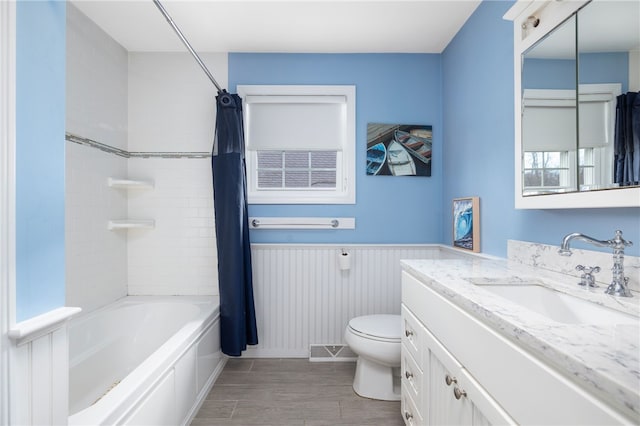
pixel 7 193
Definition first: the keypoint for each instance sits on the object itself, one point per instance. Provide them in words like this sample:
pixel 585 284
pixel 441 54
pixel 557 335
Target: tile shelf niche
pixel 125 224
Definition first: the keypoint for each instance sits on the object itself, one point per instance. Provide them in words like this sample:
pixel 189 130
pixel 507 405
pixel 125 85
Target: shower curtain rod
pixel 186 43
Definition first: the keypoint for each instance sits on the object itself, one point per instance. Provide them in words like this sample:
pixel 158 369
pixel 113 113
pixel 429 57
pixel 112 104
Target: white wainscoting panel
pixel 302 297
pixel 39 377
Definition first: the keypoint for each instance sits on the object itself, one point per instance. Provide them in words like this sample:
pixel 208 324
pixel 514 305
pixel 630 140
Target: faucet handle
pixel 587 279
pixel 621 241
pixel 588 269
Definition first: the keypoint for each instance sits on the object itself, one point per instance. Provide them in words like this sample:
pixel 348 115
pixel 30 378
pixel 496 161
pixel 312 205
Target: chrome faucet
pixel 618 286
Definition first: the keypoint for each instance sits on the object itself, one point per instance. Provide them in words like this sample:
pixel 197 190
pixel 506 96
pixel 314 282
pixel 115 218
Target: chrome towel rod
pixel 188 46
pixel 302 223
pixel 333 223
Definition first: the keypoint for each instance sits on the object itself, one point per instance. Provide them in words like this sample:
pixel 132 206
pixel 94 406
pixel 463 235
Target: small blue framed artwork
pixel 399 149
pixel 466 223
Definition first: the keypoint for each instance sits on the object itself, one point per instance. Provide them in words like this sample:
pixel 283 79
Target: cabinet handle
pixel 458 393
pixel 448 380
pixel 408 333
pixel 408 415
pixel 408 375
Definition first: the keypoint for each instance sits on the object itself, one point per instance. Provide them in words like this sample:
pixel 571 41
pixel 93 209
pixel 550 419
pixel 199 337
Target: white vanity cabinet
pixel 458 370
pixel 436 389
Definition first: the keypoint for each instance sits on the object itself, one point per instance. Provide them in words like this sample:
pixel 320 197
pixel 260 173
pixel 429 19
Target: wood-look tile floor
pixel 286 392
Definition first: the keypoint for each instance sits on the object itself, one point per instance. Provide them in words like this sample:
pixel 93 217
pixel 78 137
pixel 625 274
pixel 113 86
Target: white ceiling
pixel 310 26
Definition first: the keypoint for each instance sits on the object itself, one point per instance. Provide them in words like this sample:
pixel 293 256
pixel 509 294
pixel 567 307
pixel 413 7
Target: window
pixel 546 170
pixel 300 144
pixel 307 170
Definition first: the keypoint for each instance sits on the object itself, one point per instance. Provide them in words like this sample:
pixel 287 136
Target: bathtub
pixel 144 360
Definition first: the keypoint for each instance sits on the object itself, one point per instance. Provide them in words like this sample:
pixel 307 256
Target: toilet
pixel 376 341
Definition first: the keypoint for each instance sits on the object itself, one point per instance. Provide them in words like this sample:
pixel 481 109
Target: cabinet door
pixel 485 409
pixel 444 408
pixel 444 370
pixel 455 397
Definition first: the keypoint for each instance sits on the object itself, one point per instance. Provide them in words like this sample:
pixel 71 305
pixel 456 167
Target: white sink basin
pixel 559 306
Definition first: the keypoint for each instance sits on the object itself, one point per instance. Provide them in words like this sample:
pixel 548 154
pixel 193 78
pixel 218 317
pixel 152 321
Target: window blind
pixel 285 123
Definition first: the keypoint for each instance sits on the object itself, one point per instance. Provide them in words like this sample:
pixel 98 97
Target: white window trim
pixel 7 195
pixel 345 193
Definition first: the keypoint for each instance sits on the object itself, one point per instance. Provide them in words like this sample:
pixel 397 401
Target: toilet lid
pixel 381 326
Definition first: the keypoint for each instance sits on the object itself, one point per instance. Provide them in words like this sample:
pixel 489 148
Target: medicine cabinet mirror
pixel 571 69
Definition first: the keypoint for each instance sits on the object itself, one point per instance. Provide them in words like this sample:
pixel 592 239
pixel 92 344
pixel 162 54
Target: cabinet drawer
pixel 410 413
pixel 412 334
pixel 412 375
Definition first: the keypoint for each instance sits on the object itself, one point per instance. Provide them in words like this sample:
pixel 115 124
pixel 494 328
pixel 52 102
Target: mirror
pixel 608 53
pixel 549 117
pixel 569 141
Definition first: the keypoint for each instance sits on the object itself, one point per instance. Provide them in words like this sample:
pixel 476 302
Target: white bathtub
pixel 144 360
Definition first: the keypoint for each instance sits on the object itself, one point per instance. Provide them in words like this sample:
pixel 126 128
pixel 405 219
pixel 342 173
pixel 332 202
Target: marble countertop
pixel 605 359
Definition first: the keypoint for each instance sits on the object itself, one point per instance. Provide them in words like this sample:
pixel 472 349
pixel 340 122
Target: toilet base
pixel 376 381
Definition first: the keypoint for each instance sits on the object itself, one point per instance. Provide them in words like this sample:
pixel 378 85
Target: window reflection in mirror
pixel 549 118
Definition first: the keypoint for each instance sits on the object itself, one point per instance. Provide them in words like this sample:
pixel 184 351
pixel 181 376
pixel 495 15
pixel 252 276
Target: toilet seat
pixel 383 328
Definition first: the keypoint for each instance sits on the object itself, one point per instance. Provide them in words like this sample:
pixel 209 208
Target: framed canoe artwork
pixel 399 149
pixel 466 223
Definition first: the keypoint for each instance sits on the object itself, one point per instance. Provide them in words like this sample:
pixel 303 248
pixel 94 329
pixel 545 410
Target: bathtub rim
pixel 84 315
pixel 124 399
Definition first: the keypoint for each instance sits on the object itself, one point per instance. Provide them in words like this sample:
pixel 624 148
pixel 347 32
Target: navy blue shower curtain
pixel 627 140
pixel 237 311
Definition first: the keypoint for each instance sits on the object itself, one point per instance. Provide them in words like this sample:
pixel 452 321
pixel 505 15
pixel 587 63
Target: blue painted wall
pixel 466 93
pixel 557 74
pixel 390 88
pixel 478 143
pixel 40 116
pixel 611 67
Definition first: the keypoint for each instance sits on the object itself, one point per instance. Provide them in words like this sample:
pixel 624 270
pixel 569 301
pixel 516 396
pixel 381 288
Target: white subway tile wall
pixel 96 108
pixel 96 258
pixel 179 256
pixel 142 102
pixel 96 83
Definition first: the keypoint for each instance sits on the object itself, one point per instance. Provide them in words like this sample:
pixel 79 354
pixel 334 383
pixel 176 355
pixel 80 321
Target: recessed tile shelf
pixel 129 183
pixel 131 224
